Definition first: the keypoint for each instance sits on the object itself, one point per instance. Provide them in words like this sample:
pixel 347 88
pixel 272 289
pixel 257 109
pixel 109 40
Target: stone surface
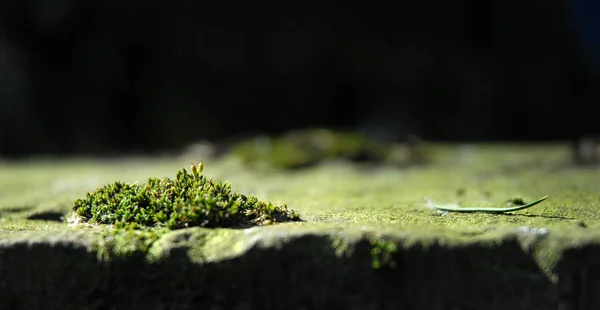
pixel 368 240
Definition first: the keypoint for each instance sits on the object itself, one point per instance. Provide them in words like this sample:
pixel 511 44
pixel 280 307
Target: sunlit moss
pixel 186 201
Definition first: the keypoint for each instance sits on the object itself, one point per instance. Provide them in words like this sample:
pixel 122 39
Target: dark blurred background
pixel 133 76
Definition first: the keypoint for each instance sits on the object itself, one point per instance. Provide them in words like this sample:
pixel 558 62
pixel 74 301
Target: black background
pixel 129 76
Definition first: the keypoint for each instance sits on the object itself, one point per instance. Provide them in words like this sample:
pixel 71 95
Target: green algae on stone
pixel 188 200
pixel 127 241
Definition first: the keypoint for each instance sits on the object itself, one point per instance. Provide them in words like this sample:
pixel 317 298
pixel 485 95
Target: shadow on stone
pixel 539 216
pixel 579 271
pixel 17 209
pixel 47 216
pixel 303 273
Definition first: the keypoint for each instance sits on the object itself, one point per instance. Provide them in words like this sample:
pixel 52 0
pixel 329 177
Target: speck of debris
pixel 532 230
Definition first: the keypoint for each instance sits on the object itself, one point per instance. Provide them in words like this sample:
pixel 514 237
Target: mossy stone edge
pixel 310 267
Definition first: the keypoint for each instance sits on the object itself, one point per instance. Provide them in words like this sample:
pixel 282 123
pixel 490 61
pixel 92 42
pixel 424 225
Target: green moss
pixel 382 253
pixel 188 200
pixel 304 148
pixel 342 247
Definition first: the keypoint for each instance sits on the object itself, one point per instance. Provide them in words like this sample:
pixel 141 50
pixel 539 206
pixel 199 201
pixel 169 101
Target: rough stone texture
pixel 279 270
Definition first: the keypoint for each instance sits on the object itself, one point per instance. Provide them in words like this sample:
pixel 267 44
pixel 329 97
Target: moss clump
pixel 189 200
pixel 383 253
pixel 517 201
pixel 303 148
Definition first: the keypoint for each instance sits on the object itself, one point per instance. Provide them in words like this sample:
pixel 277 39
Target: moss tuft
pixel 303 148
pixel 383 253
pixel 188 200
pixel 517 201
